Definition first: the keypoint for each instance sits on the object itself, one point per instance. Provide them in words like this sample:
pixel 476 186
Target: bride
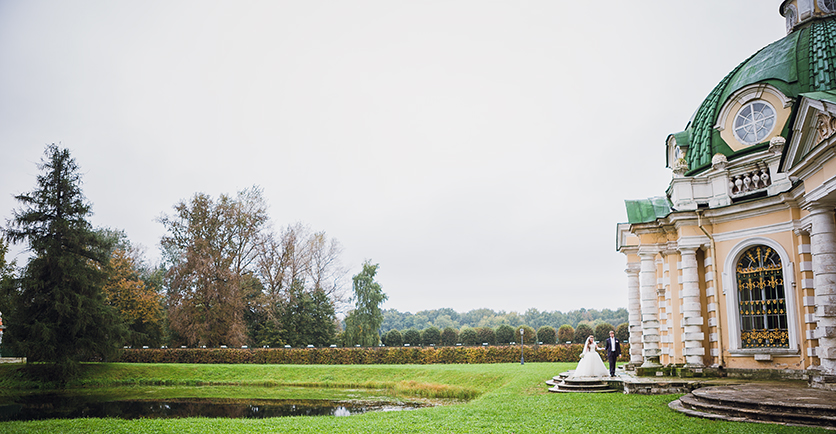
pixel 590 364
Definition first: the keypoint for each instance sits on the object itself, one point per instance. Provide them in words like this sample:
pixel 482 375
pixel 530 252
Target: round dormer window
pixel 754 122
pixel 827 5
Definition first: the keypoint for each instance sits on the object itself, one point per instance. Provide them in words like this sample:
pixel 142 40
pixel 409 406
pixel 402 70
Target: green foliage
pixel 287 270
pixel 622 332
pixel 530 335
pixel 602 331
pixel 505 334
pixel 393 338
pixel 412 337
pixel 431 336
pixel 565 333
pixel 7 279
pixel 582 332
pixel 547 335
pixel 468 336
pixel 271 334
pixel 363 323
pixel 446 317
pixel 486 335
pixel 308 318
pixel 449 337
pixel 134 293
pixel 59 315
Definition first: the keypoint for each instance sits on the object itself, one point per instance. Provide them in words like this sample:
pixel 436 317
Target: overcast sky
pixel 480 151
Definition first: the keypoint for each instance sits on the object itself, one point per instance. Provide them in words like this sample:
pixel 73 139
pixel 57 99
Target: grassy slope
pixel 512 399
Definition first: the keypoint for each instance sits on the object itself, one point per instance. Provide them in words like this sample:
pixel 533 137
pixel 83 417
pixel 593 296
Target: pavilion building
pixel 734 268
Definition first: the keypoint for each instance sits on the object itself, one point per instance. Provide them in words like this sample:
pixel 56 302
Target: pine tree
pixel 59 315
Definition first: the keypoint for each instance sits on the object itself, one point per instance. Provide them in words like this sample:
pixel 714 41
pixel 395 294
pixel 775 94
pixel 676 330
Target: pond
pixel 59 406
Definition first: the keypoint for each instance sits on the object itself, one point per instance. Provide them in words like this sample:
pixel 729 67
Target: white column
pixel 634 309
pixel 692 320
pixel 823 246
pixel 650 308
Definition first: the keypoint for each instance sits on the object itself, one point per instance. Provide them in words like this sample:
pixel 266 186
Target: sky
pixel 479 151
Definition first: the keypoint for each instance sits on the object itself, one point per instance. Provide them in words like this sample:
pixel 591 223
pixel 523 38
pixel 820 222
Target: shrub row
pixel 359 356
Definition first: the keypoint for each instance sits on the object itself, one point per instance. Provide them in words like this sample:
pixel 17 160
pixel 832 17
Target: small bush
pixel 530 335
pixel 547 335
pixel 431 336
pixel 449 337
pixel 622 332
pixel 486 335
pixel 393 338
pixel 468 336
pixel 581 333
pixel 602 331
pixel 412 337
pixel 505 334
pixel 565 333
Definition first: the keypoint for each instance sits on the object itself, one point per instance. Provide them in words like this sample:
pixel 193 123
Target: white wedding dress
pixel 591 364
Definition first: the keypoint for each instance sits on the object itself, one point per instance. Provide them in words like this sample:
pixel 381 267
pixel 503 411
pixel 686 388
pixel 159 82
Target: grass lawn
pixel 504 398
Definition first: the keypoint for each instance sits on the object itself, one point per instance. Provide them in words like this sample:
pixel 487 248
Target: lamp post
pixel 522 346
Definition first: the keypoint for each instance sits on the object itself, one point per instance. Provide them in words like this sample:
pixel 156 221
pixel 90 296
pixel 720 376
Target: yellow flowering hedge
pixel 360 356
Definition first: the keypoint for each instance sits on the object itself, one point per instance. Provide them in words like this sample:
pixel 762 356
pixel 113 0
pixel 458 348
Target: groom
pixel 613 351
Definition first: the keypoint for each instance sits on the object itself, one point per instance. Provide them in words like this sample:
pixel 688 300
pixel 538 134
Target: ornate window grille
pixel 761 299
pixel 754 122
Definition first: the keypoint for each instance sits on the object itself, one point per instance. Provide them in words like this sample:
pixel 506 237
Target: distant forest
pixel 441 318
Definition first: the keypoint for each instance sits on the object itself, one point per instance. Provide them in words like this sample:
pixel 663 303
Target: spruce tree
pixel 59 315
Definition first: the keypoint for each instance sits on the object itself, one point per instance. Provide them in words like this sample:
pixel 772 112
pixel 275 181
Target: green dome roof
pixel 804 61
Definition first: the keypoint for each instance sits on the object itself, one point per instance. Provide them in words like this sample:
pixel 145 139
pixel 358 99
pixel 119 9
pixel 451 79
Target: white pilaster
pixel 823 246
pixel 649 308
pixel 692 320
pixel 634 309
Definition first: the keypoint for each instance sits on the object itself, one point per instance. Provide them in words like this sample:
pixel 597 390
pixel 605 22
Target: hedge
pixel 359 356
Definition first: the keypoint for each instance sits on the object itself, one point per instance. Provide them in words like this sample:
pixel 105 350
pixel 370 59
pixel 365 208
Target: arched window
pixel 754 121
pixel 762 304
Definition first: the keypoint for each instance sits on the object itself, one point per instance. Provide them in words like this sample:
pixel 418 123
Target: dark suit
pixel 612 356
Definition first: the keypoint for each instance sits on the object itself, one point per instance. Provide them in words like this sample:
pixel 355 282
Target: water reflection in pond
pixel 53 406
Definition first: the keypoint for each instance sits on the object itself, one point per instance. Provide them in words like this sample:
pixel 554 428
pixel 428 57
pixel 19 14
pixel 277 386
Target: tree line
pixel 226 278
pixel 443 318
pixel 503 335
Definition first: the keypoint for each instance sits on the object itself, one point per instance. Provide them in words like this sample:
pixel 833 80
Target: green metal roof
pixel 829 96
pixel 803 61
pixel 647 210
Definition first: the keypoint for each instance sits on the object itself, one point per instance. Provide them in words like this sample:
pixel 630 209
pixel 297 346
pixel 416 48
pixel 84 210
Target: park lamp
pixel 522 345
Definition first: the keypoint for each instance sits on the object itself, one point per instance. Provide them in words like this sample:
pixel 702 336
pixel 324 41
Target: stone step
pixel 560 389
pixel 725 397
pixel 695 408
pixel 784 403
pixel 583 385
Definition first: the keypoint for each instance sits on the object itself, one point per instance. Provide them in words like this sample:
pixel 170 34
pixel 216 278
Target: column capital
pixel 819 207
pixel 651 250
pixel 688 250
pixel 633 267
